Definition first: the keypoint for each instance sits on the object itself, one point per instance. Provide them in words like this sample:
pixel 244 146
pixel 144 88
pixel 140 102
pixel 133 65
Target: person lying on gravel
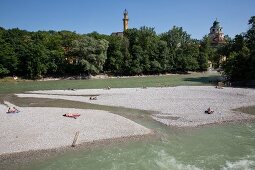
pixel 72 115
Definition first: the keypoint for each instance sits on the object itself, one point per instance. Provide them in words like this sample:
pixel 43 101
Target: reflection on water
pixel 229 146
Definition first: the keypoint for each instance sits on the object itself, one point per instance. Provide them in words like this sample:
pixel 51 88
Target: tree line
pixel 140 51
pixel 58 53
pixel 240 54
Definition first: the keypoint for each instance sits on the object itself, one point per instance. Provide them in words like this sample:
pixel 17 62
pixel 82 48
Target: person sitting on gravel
pixel 9 110
pixel 209 111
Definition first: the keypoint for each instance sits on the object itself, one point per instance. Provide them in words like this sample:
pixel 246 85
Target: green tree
pixel 34 60
pixel 115 58
pixel 90 54
pixel 250 35
pixel 163 57
pixel 182 49
pixel 8 59
pixel 11 42
pixel 240 64
pixel 206 53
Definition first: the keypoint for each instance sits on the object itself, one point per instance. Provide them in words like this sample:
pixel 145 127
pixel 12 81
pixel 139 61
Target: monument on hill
pixel 217 38
pixel 216 34
pixel 125 25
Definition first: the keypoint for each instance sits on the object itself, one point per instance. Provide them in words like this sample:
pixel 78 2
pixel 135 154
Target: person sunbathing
pixel 72 115
pixel 13 110
pixel 93 98
pixel 209 111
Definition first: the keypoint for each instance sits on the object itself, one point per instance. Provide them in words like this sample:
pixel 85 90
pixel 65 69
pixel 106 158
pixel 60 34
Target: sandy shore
pixel 36 128
pixel 181 106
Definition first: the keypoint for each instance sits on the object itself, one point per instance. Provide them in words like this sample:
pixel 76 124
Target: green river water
pixel 225 146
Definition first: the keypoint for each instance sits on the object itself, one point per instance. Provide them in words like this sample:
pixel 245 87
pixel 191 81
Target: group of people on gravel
pixel 12 110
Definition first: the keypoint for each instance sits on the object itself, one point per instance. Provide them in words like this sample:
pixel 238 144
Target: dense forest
pixel 39 54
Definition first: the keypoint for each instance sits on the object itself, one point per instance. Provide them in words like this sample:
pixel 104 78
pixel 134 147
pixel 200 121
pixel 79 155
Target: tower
pixel 125 25
pixel 125 20
pixel 216 33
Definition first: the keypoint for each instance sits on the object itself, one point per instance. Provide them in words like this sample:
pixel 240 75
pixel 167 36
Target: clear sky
pixel 105 16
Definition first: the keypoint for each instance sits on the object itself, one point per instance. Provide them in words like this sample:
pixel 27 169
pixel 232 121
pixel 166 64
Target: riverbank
pixel 39 128
pixel 198 79
pixel 182 106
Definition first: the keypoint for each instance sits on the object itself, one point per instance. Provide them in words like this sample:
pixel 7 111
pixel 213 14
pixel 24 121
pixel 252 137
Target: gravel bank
pixel 181 106
pixel 36 128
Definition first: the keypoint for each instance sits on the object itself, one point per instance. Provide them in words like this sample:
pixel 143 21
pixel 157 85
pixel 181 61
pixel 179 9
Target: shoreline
pixel 178 106
pixel 36 128
pixel 19 160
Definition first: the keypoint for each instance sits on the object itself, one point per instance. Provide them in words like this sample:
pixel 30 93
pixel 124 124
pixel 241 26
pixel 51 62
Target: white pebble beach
pixel 36 128
pixel 182 106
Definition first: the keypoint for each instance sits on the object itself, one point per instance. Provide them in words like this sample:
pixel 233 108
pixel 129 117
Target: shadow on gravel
pixel 205 80
pixel 248 110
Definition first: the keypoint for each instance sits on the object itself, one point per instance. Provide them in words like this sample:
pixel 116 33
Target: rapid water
pixel 228 146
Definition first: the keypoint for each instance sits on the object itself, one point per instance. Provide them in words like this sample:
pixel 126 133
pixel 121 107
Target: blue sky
pixel 105 16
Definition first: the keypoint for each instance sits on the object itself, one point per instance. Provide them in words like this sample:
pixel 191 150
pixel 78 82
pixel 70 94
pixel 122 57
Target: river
pixel 224 146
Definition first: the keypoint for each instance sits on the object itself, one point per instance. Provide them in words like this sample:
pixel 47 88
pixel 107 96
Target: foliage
pixel 90 54
pixel 140 51
pixel 42 53
pixel 115 57
pixel 240 52
pixel 184 51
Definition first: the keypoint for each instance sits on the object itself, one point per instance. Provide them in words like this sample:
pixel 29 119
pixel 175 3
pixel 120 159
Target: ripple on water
pixel 241 164
pixel 167 161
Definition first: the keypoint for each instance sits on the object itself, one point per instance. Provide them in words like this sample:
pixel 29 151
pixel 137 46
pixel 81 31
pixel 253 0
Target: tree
pixel 206 53
pixel 182 49
pixel 90 54
pixel 8 60
pixel 163 57
pixel 115 58
pixel 251 44
pixel 240 64
pixel 10 42
pixel 250 35
pixel 33 60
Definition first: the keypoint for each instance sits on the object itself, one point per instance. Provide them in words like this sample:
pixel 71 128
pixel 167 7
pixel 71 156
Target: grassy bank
pixel 150 81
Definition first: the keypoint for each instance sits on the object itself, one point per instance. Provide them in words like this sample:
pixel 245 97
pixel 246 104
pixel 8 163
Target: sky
pixel 105 16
